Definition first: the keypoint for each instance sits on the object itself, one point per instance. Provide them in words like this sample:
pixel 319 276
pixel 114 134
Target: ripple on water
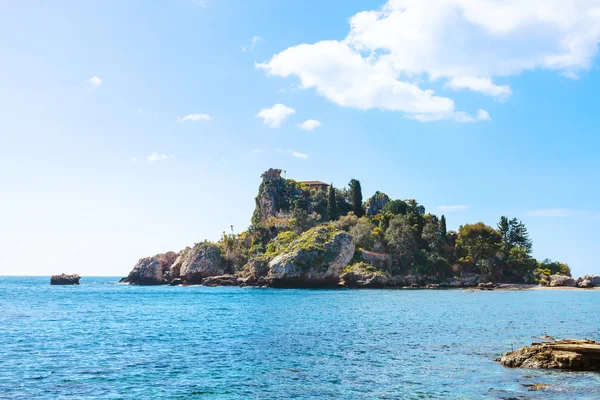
pixel 106 340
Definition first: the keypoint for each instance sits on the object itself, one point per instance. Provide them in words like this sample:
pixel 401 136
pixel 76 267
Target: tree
pixel 479 241
pixel 400 236
pixel 362 234
pixel 332 209
pixel 356 198
pixel 396 207
pixel 514 233
pixel 432 234
pixel 443 229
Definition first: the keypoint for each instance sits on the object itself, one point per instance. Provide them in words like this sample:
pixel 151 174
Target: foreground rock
pixel 202 261
pixel 222 280
pixel 589 281
pixel 152 270
pixel 576 355
pixel 561 280
pixel 363 275
pixel 64 279
pixel 316 259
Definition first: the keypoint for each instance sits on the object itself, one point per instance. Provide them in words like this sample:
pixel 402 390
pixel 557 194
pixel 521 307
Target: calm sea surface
pixel 107 340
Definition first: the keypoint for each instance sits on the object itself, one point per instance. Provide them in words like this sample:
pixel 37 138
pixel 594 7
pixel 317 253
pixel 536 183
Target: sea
pixel 105 340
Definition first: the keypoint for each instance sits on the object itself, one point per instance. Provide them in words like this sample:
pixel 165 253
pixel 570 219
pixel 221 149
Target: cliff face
pixel 278 196
pixel 153 270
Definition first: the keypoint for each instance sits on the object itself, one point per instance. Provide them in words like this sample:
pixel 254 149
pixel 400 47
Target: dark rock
pixel 176 282
pixel 222 280
pixel 487 286
pixel 577 355
pixel 153 270
pixel 64 279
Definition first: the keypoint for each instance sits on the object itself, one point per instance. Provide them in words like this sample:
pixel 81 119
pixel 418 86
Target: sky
pixel 130 128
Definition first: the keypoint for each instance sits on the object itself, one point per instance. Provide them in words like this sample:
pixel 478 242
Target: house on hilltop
pixel 316 185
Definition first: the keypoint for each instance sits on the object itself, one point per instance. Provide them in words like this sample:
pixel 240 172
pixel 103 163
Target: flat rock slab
pixel 64 279
pixel 575 355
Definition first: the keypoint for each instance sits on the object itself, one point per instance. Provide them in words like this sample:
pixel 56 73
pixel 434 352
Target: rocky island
pixel 64 279
pixel 311 234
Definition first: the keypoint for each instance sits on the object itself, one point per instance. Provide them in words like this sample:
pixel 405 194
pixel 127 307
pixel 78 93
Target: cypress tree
pixel 332 204
pixel 356 198
pixel 443 230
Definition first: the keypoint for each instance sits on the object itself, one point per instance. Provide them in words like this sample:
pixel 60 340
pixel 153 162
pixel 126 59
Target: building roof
pixel 313 183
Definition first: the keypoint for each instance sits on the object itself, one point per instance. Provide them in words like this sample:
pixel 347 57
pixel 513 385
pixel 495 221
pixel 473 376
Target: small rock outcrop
pixel 222 280
pixel 202 261
pixel 589 281
pixel 376 203
pixel 155 270
pixel 561 280
pixel 64 279
pixel 316 258
pixel 576 355
pixel 363 275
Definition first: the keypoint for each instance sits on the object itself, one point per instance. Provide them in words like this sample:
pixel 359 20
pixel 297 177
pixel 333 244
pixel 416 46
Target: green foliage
pixel 556 268
pixel 356 198
pixel 363 268
pixel 443 229
pixel 478 241
pixel 332 207
pixel 362 234
pixel 314 239
pixel 396 207
pixel 432 234
pixel 346 222
pixel 514 233
pixel 401 239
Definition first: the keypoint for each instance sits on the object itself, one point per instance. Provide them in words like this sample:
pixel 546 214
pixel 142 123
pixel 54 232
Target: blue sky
pixel 474 119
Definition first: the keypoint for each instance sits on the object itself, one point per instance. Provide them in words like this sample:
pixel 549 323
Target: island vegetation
pixel 303 234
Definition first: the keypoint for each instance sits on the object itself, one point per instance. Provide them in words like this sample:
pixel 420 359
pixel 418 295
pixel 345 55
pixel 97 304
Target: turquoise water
pixel 114 341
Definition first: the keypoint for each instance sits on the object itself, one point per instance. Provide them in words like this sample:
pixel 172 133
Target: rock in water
pixel 363 275
pixel 576 355
pixel 152 270
pixel 588 281
pixel 64 279
pixel 222 280
pixel 202 261
pixel 561 280
pixel 316 258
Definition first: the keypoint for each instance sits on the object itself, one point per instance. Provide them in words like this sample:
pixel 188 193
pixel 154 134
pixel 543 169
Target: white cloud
pixel 310 125
pixel 551 212
pixel 95 81
pixel 274 116
pixel 462 44
pixel 158 157
pixel 252 45
pixel 194 118
pixel 483 115
pixel 450 209
pixel 299 155
pixel 291 152
pixel 481 85
pixel 133 160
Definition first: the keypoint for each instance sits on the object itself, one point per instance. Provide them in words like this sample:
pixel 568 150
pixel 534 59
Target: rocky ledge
pixel 64 279
pixel 575 355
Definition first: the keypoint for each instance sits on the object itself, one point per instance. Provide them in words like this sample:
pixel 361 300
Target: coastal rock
pixel 316 258
pixel 589 281
pixel 379 260
pixel 254 270
pixel 176 282
pixel 222 280
pixel 202 261
pixel 376 203
pixel 363 275
pixel 561 280
pixel 64 279
pixel 577 355
pixel 487 285
pixel 153 270
pixel 175 270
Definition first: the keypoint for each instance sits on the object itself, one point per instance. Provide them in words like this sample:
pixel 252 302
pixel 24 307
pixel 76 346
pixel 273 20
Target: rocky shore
pixel 576 355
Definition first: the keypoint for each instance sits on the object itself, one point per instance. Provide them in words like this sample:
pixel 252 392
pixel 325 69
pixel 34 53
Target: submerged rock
pixel 577 355
pixel 64 279
pixel 589 281
pixel 363 275
pixel 561 280
pixel 153 270
pixel 316 258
